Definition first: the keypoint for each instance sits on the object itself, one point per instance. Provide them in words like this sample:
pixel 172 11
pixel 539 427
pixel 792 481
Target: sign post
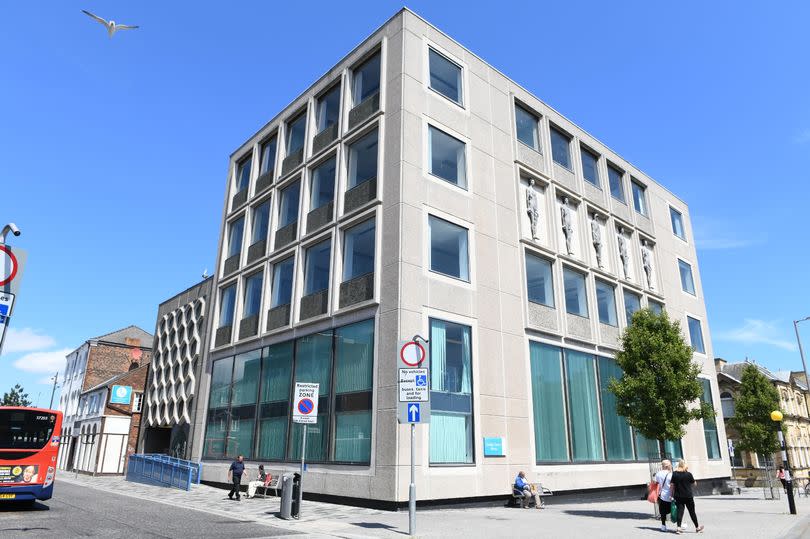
pixel 305 411
pixel 11 269
pixel 414 405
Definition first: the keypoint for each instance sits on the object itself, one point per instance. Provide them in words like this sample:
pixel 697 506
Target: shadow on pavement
pixel 378 525
pixel 622 515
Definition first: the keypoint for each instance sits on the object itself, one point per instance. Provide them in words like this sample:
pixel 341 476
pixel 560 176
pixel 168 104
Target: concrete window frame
pixel 442 51
pixel 429 123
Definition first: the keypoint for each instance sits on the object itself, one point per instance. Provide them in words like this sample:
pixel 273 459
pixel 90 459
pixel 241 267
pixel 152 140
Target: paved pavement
pixel 740 516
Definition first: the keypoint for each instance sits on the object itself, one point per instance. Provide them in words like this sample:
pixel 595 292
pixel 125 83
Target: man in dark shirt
pixel 235 474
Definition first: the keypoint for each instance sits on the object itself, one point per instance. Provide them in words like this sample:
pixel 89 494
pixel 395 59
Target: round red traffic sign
pixel 8 265
pixel 305 406
pixel 412 354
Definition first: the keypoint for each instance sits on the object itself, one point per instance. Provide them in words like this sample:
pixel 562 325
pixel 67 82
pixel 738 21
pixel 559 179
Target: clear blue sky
pixel 113 153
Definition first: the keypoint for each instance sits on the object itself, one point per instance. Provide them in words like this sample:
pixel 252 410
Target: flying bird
pixel 111 26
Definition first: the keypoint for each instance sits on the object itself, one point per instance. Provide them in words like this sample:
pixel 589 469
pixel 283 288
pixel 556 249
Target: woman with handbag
pixel 682 483
pixel 664 480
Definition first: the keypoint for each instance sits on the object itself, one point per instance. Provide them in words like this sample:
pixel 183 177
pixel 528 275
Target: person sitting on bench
pixel 253 485
pixel 524 489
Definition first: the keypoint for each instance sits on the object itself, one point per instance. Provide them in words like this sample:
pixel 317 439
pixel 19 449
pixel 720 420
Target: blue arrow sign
pixel 413 412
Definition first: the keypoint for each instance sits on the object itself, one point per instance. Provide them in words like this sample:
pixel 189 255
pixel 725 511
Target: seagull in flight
pixel 111 26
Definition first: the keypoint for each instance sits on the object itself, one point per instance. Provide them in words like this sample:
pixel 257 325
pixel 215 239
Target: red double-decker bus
pixel 29 444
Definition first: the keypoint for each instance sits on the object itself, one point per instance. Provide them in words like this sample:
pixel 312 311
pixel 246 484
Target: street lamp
pixel 776 416
pixel 801 352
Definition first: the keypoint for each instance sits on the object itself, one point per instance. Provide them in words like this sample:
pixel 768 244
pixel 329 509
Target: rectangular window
pixel 322 186
pixel 736 458
pixel 288 209
pixel 363 160
pixel 296 133
pixel 358 250
pixel 244 391
pixel 590 166
pixel 561 148
pixel 616 185
pixel 366 79
pixel 710 425
pixel 449 253
pixel 539 280
pixel 632 303
pixel 606 303
pixel 218 408
pixel 226 304
pixel 451 428
pixel 313 363
pixel 696 335
pixel 243 175
pixel 316 268
pixel 274 401
pixel 282 282
pixel 447 157
pixel 687 283
pixel 548 403
pixel 655 306
pixel 445 76
pixel 677 223
pixel 328 108
pixel 354 363
pixel 526 125
pixel 235 231
pixel 618 434
pixel 583 406
pixel 576 299
pixel 261 222
pixel 253 295
pixel 268 155
pixel 639 197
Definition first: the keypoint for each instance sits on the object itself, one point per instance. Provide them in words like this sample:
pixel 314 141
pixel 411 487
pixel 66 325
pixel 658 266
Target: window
pixel 615 180
pixel 632 303
pixel 322 186
pixel 137 402
pixel 451 428
pixel 548 404
pixel 366 79
pixel 218 404
pixel 727 404
pixel 316 269
pixel 226 305
pixel 261 222
pixel 358 250
pixel 313 363
pixel 328 108
pixel 253 295
pixel 576 300
pixel 448 249
pixel 268 155
pixel 447 157
pixel 583 407
pixel 354 361
pixel 235 231
pixel 296 132
pixel 282 282
pixel 618 434
pixel 445 76
pixel 639 197
pixel 677 223
pixel 288 209
pixel 710 425
pixel 736 458
pixel 526 125
pixel 539 280
pixel 606 303
pixel 244 392
pixel 274 397
pixel 695 335
pixel 243 175
pixel 687 283
pixel 655 306
pixel 560 148
pixel 363 160
pixel 590 166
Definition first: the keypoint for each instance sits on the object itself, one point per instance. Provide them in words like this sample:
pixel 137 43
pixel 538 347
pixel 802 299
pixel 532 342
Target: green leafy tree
pixel 16 397
pixel 659 387
pixel 753 405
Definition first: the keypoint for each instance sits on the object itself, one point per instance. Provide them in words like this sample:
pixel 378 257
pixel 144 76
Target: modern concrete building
pixel 414 189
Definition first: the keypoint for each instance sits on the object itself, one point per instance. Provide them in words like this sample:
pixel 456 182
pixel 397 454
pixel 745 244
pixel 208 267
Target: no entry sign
pixel 305 405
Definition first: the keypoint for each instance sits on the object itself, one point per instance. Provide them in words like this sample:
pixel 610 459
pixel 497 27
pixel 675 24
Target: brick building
pixel 90 371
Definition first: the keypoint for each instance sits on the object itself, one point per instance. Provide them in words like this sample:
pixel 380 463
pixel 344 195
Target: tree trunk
pixel 662 449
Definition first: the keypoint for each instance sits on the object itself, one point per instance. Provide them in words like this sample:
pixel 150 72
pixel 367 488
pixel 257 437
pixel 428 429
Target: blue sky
pixel 113 153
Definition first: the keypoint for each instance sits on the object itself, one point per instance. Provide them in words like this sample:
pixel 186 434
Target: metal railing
pixel 154 470
pixel 196 467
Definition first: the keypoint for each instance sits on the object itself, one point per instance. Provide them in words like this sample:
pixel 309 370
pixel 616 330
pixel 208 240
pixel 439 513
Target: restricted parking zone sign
pixel 305 405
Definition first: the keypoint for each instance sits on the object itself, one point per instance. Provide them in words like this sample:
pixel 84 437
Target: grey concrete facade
pixel 406 294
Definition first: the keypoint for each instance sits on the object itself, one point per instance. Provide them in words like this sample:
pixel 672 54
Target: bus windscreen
pixel 25 429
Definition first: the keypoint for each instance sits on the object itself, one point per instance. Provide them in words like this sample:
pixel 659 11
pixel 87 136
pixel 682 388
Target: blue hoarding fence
pixel 163 470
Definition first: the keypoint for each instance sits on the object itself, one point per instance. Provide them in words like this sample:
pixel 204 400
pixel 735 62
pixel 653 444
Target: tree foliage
pixel 16 397
pixel 659 387
pixel 753 405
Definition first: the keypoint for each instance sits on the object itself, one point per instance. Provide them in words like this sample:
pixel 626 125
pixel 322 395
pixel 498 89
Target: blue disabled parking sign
pixel 421 380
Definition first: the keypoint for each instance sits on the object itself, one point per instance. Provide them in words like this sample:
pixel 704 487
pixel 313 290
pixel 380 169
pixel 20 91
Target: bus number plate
pixel 7 496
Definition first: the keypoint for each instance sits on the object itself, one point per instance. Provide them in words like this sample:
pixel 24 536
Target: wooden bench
pixel 515 499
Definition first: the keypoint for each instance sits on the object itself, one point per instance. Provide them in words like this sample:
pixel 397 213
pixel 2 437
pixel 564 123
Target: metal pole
pixel 55 378
pixel 788 477
pixel 301 482
pixel 412 486
pixel 801 351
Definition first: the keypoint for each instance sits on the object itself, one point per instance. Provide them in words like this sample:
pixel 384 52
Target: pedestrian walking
pixel 681 488
pixel 664 480
pixel 235 475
